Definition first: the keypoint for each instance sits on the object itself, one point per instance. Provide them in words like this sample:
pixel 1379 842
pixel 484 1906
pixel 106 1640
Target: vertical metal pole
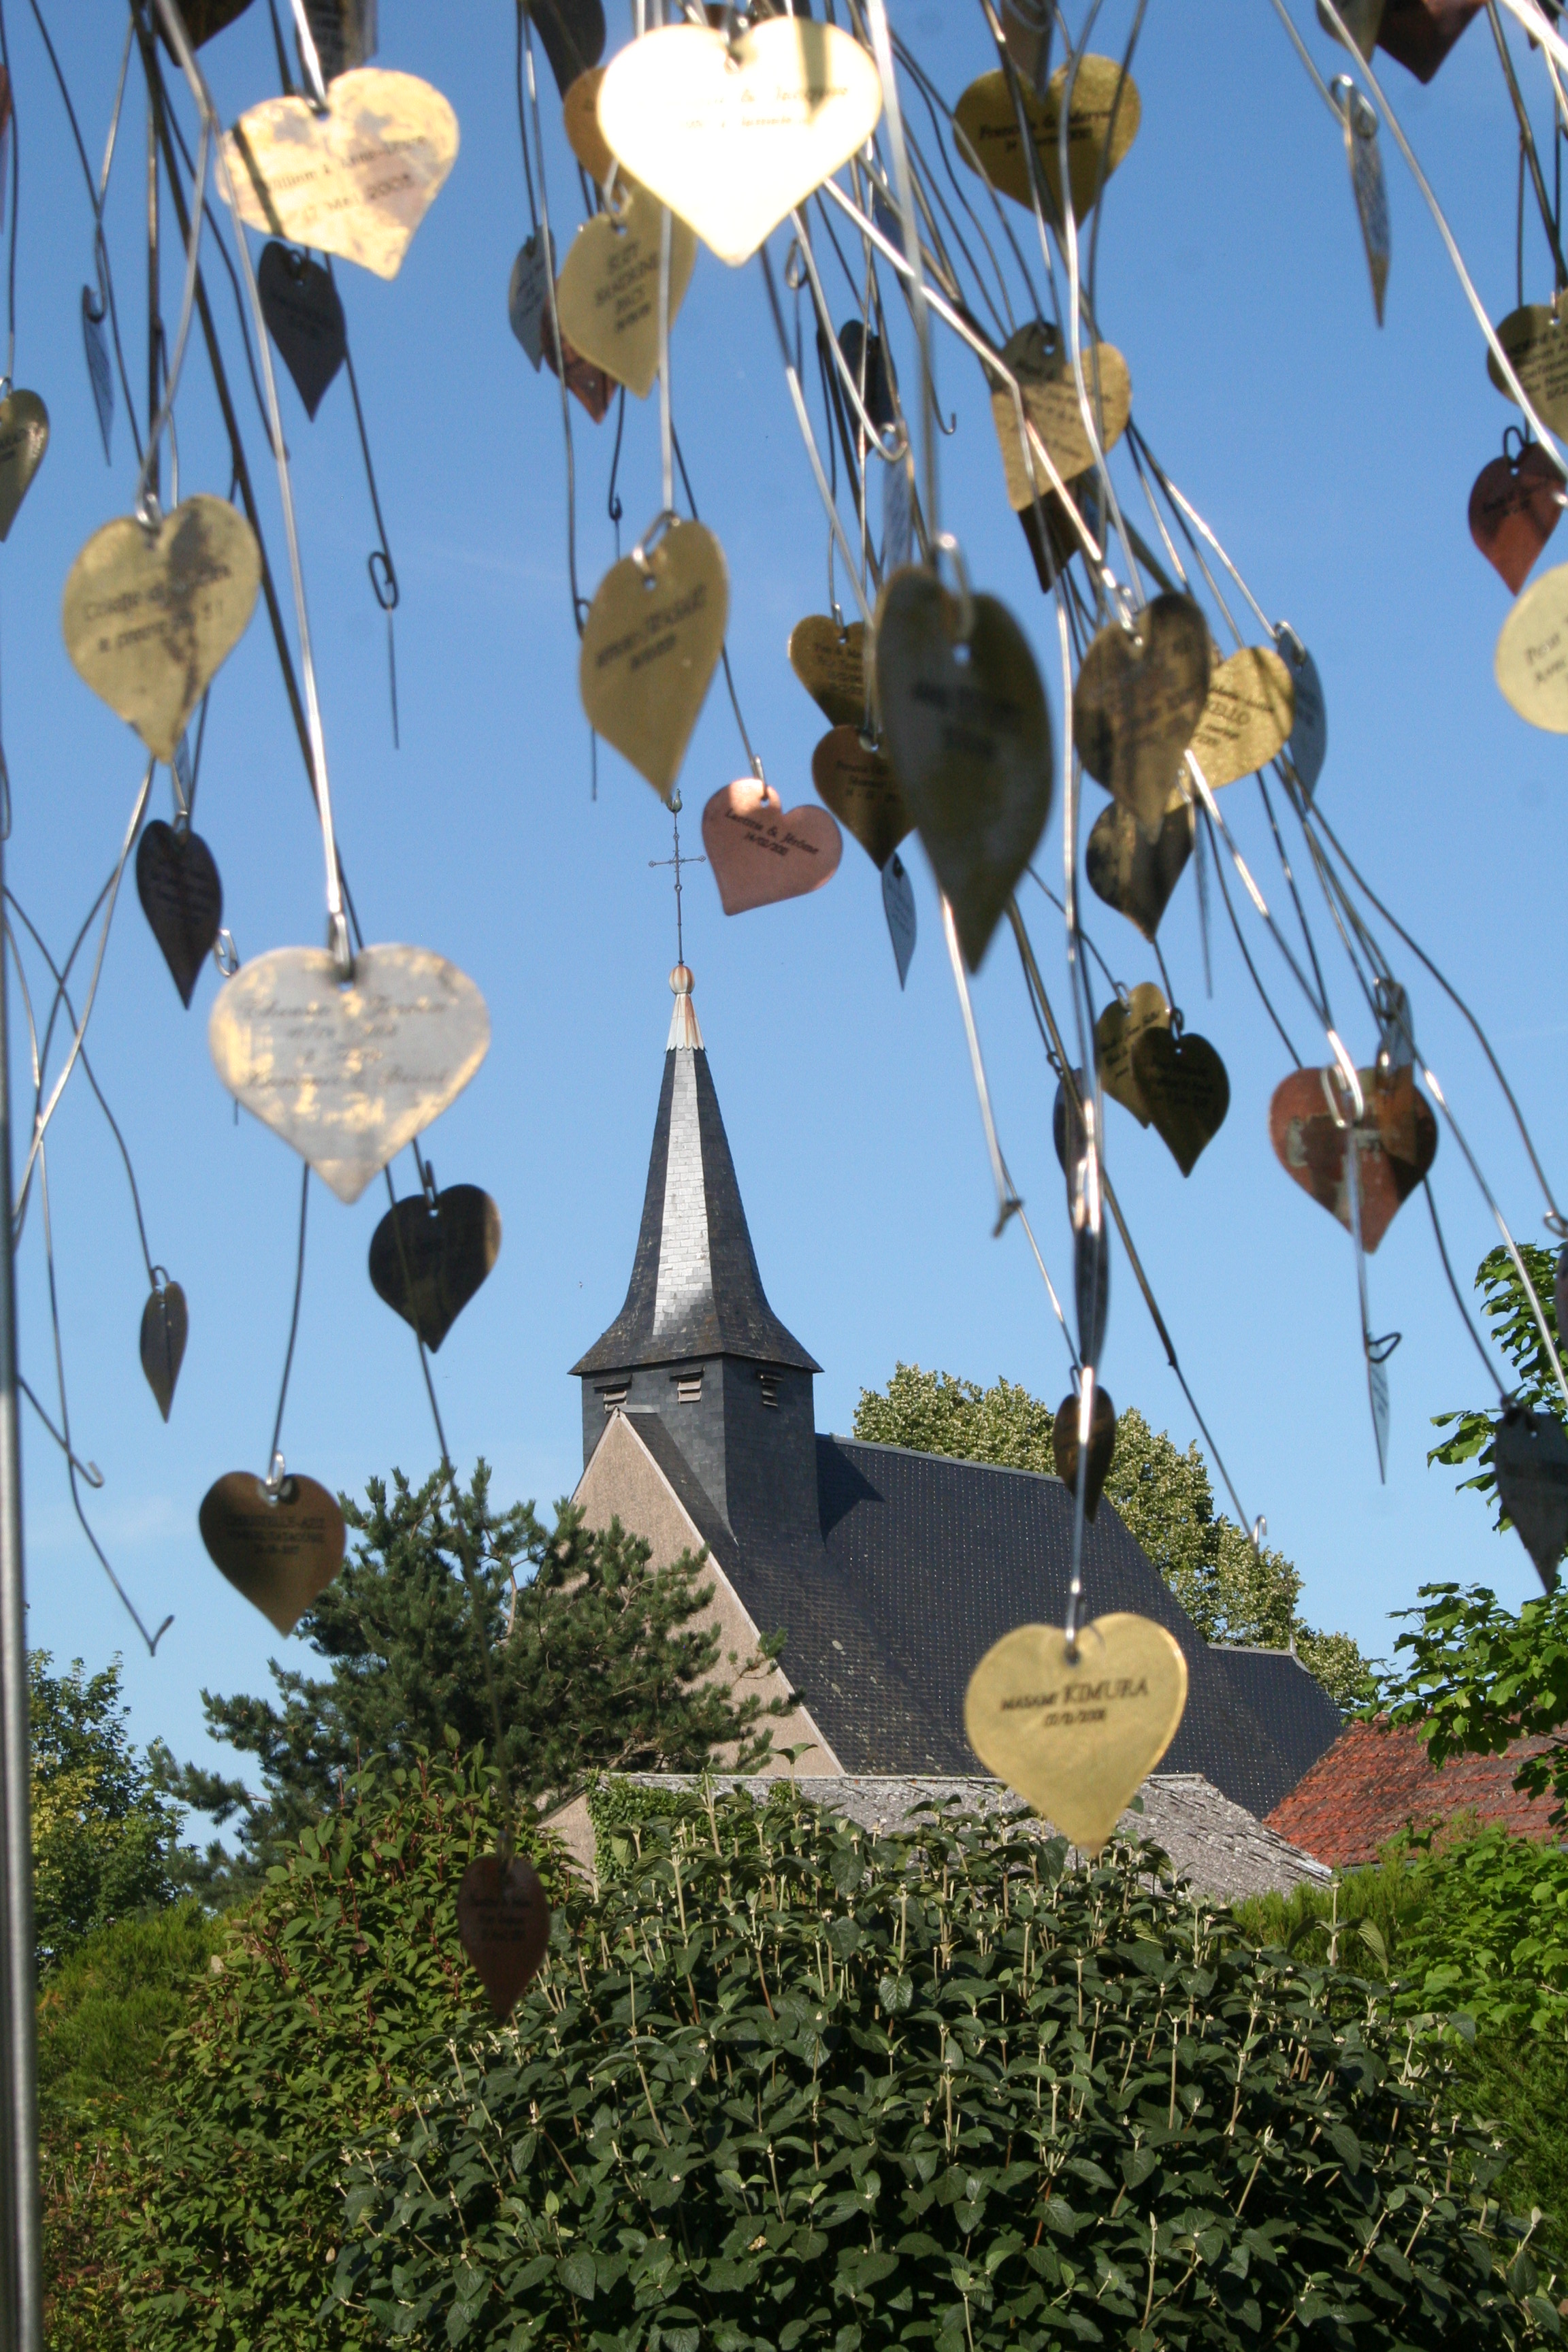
pixel 21 2322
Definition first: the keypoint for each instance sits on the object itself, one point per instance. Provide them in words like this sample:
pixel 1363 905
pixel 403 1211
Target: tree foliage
pixel 1231 1591
pixel 598 1660
pixel 785 2087
pixel 1511 1314
pixel 106 1836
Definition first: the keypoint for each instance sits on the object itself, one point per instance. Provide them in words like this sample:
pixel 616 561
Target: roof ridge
pixel 921 1453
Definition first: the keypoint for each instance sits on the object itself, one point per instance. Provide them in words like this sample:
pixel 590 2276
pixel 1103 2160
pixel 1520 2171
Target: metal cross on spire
pixel 677 861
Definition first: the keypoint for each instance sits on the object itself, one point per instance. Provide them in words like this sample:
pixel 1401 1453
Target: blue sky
pixel 1335 461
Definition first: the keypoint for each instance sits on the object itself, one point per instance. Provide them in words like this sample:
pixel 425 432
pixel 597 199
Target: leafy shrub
pixel 783 2085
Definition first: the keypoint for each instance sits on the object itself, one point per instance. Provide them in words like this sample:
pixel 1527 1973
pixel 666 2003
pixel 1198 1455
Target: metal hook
pixel 649 541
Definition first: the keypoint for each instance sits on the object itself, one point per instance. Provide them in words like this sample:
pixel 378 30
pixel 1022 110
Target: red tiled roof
pixel 1376 1781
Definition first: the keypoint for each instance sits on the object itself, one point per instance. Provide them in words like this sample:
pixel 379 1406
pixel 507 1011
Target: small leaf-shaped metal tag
pixel 899 906
pixel 1101 1446
pixel 166 1326
pixel 1359 117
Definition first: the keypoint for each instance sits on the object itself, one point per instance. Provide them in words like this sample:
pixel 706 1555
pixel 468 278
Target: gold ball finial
pixel 680 980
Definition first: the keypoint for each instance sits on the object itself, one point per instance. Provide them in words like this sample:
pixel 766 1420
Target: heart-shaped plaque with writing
pixel 1396 1144
pixel 607 297
pixel 1140 695
pixel 1101 1446
pixel 150 610
pixel 1536 341
pixel 503 1920
pixel 760 852
pixel 732 133
pixel 969 735
pixel 1115 1034
pixel 356 181
pixel 830 663
pixel 1078 1737
pixel 862 791
pixel 1531 662
pixel 1184 1089
pixel 1102 122
pixel 304 317
pixel 1530 1457
pixel 1049 391
pixel 428 1257
pixel 1248 716
pixel 182 897
pixel 650 646
pixel 279 1546
pixel 1135 875
pixel 24 437
pixel 1515 506
pixel 166 1328
pixel 580 113
pixel 348 1073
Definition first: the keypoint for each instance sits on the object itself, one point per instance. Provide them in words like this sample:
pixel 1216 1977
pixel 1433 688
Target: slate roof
pixel 1376 1780
pixel 695 1289
pixel 942 1557
pixel 1273 1686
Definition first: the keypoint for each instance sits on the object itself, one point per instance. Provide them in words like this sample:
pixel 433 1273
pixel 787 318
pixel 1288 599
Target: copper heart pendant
pixel 1515 506
pixel 1530 1456
pixel 762 853
pixel 503 1918
pixel 1310 1119
pixel 1138 701
pixel 182 897
pixel 969 736
pixel 830 663
pixel 1134 874
pixel 428 1257
pixel 1184 1089
pixel 1101 1448
pixel 165 1327
pixel 862 791
pixel 280 1550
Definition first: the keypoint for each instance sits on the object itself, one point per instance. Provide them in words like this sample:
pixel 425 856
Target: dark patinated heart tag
pixel 1396 1144
pixel 969 734
pixel 427 1258
pixel 862 791
pixel 503 1918
pixel 1101 1446
pixel 1184 1089
pixel 1530 1456
pixel 1419 34
pixel 280 1550
pixel 573 32
pixel 1138 701
pixel 304 317
pixel 165 1327
pixel 182 897
pixel 1133 873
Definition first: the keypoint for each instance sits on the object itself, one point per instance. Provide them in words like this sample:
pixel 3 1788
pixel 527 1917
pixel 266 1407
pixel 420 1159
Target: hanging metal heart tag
pixel 348 1074
pixel 650 646
pixel 573 32
pixel 591 385
pixel 1115 1032
pixel 1101 1446
pixel 1396 1146
pixel 969 735
pixel 150 610
pixel 95 339
pixel 1049 391
pixel 1309 745
pixel 1248 716
pixel 862 791
pixel 165 1327
pixel 203 19
pixel 1184 1085
pixel 1515 506
pixel 356 181
pixel 761 853
pixel 503 1920
pixel 24 437
pixel 580 114
pixel 732 133
pixel 304 317
pixel 1102 122
pixel 344 32
pixel 1361 19
pixel 899 906
pixel 1139 697
pixel 1530 1457
pixel 607 298
pixel 1077 1739
pixel 1536 342
pixel 279 1549
pixel 527 296
pixel 1530 664
pixel 427 1258
pixel 1135 875
pixel 1419 34
pixel 830 663
pixel 182 897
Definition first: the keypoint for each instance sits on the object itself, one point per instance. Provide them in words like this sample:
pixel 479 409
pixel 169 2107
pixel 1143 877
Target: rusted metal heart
pixel 1138 701
pixel 1184 1089
pixel 1514 509
pixel 304 317
pixel 1132 873
pixel 1395 1145
pixel 165 1327
pixel 427 1258
pixel 860 788
pixel 503 1918
pixel 182 897
pixel 1101 1446
pixel 280 1550
pixel 762 853
pixel 1530 1457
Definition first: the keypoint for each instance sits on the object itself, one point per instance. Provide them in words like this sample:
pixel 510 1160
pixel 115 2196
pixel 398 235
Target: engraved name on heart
pixel 24 437
pixel 1530 664
pixel 762 853
pixel 279 1549
pixel 860 788
pixel 348 1074
pixel 150 611
pixel 1102 122
pixel 1076 1738
pixel 650 646
pixel 1515 506
pixel 1115 1032
pixel 1248 716
pixel 1396 1144
pixel 356 181
pixel 607 298
pixel 1049 391
pixel 503 1920
pixel 1139 697
pixel 1536 342
pixel 830 663
pixel 733 134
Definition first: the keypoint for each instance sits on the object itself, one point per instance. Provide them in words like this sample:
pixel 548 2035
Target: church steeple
pixel 697 1343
